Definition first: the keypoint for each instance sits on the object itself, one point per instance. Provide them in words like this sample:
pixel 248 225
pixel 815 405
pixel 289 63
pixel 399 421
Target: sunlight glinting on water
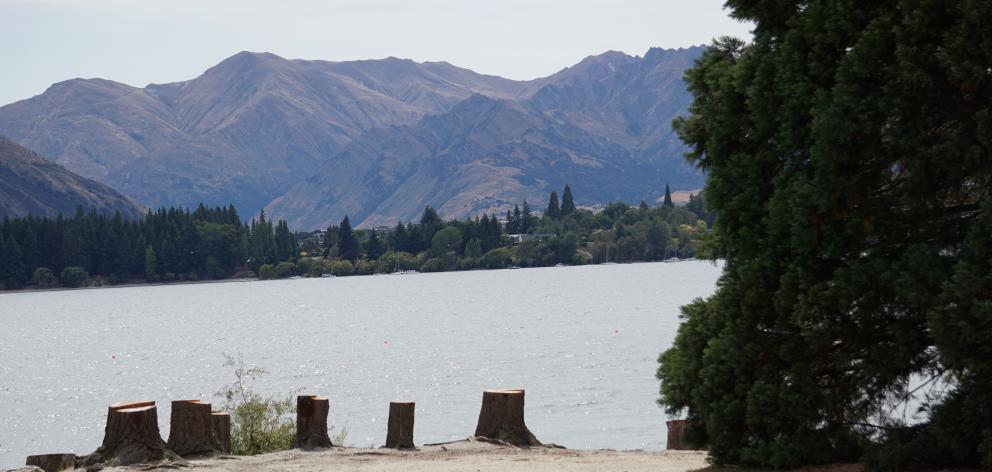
pixel 582 341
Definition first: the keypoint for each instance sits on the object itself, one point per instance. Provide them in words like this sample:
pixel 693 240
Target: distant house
pixel 316 237
pixel 382 229
pixel 519 238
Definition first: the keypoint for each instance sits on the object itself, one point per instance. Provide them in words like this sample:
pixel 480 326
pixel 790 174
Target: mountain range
pixel 33 185
pixel 311 141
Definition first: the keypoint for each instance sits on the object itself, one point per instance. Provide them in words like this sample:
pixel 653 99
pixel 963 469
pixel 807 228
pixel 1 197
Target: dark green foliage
pixel 151 264
pixel 262 241
pixel 266 272
pixel 73 276
pixel 283 270
pixel 393 261
pixel 348 247
pixel 553 211
pixel 514 221
pixel 546 252
pixel 445 242
pixel 44 278
pixel 365 267
pixel 284 241
pixel 496 259
pixel 430 223
pixel 697 205
pixel 527 220
pixel 668 198
pixel 373 247
pixel 12 268
pixel 567 201
pixel 342 268
pixel 473 248
pixel 434 264
pixel 168 244
pixel 849 158
pixel 657 240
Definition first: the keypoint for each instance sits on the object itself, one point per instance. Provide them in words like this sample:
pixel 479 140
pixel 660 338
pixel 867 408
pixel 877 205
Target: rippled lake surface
pixel 582 341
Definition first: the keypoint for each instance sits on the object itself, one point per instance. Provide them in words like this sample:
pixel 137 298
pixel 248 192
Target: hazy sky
pixel 154 41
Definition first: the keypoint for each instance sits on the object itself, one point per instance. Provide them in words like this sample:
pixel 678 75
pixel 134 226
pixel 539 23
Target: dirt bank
pixel 459 456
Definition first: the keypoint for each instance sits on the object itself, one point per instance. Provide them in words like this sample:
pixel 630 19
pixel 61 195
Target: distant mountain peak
pixel 660 54
pixel 256 125
pixel 606 58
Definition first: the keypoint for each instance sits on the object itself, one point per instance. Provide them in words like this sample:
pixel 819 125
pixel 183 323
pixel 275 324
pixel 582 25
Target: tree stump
pixel 190 428
pixel 676 435
pixel 399 434
pixel 220 431
pixel 52 462
pixel 502 418
pixel 131 435
pixel 311 422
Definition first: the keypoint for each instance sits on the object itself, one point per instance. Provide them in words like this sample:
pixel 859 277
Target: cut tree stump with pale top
pixel 501 418
pixel 190 428
pixel 131 436
pixel 399 434
pixel 220 431
pixel 311 422
pixel 52 462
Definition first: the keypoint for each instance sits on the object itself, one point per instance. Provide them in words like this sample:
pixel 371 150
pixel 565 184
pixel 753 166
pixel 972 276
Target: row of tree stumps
pixel 132 434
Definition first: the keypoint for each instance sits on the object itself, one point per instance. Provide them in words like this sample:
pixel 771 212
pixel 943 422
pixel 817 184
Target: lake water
pixel 582 341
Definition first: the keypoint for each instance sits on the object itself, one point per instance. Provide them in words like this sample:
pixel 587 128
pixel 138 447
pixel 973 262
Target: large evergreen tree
pixel 285 242
pixel 526 218
pixel 348 247
pixel 567 201
pixel 151 264
pixel 430 223
pixel 849 157
pixel 553 211
pixel 668 198
pixel 373 247
pixel 13 273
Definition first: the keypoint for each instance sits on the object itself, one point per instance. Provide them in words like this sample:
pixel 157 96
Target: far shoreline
pixel 31 290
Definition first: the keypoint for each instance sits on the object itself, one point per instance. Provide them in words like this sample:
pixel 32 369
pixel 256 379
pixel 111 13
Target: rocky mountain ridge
pixel 260 131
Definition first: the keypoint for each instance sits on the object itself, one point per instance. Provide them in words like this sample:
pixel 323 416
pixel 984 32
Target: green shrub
pixel 473 248
pixel 258 424
pixel 44 278
pixel 213 269
pixel 265 271
pixel 498 258
pixel 284 270
pixel 387 263
pixel 318 267
pixel 365 267
pixel 433 264
pixel 74 276
pixel 342 268
pixel 580 258
pixel 468 263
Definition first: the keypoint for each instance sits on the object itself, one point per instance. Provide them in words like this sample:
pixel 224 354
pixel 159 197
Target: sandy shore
pixel 459 456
